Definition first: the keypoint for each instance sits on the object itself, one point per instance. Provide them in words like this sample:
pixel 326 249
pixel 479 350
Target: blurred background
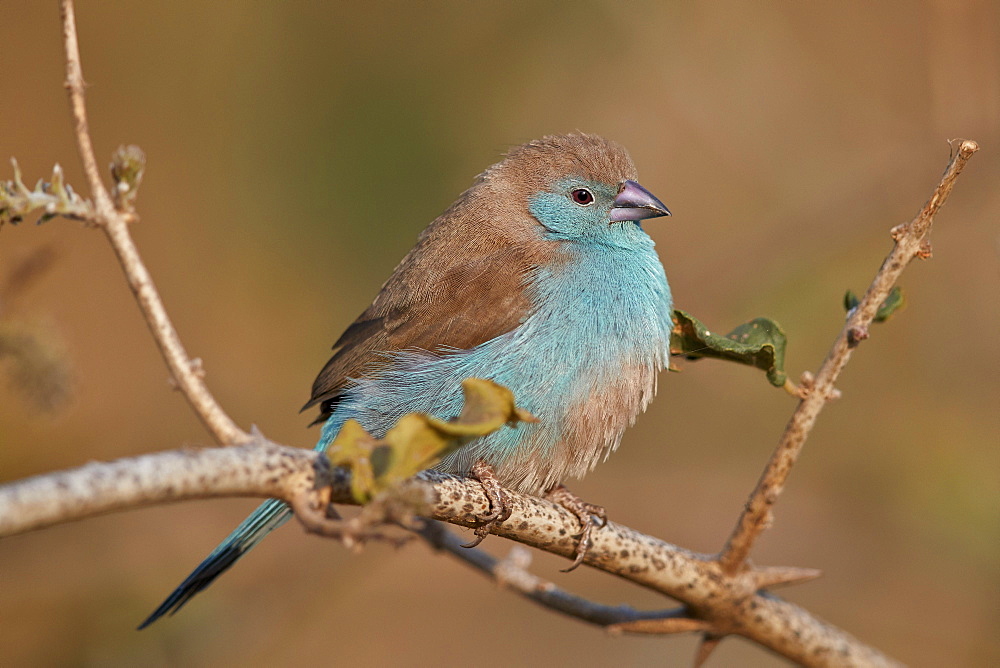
pixel 295 150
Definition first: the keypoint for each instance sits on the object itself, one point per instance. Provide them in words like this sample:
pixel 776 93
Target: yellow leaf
pixel 352 449
pixel 419 441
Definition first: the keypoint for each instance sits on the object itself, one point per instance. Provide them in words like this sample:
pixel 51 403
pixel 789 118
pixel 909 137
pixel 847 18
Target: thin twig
pixel 512 573
pixel 186 372
pixel 75 85
pixel 910 243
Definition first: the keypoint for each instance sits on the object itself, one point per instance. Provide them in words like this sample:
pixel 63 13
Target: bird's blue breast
pixel 584 361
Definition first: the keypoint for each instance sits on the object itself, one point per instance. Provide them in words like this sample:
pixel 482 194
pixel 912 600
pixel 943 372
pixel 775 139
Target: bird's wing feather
pixel 455 303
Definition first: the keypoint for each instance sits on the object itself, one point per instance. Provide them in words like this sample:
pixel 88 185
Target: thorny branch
pixel 721 594
pixel 911 242
pixel 716 603
pixel 512 573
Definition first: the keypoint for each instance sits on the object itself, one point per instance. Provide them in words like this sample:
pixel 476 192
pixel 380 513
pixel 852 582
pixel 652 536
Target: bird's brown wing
pixel 451 302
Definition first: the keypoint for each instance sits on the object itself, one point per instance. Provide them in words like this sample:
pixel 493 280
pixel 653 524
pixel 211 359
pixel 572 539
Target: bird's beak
pixel 636 203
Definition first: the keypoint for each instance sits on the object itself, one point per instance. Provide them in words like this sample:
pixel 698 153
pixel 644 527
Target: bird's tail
pixel 269 516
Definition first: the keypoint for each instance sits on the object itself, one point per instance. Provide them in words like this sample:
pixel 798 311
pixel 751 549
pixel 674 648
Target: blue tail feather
pixel 269 516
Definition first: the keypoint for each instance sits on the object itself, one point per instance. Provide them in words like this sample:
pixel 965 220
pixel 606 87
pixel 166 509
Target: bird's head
pixel 577 187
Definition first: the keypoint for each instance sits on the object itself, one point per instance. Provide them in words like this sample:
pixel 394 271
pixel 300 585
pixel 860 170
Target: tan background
pixel 296 150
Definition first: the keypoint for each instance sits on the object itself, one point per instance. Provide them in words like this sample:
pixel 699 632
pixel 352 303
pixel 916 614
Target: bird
pixel 539 277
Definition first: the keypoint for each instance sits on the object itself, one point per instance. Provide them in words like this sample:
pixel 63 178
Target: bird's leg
pixel 499 510
pixel 585 512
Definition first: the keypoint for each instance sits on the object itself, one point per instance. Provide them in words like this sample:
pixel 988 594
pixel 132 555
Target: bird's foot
pixel 585 512
pixel 499 510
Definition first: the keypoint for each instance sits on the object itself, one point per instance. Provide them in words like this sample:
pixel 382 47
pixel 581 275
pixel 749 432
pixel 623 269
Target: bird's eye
pixel 583 197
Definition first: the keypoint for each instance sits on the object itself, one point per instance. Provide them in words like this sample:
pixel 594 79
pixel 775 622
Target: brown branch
pixel 260 469
pixel 512 573
pixel 731 604
pixel 725 604
pixel 910 243
pixel 186 372
pixel 75 86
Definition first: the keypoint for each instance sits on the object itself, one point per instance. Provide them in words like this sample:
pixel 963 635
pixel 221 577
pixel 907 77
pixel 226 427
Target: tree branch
pixel 512 573
pixel 260 469
pixel 724 604
pixel 187 373
pixel 730 603
pixel 911 242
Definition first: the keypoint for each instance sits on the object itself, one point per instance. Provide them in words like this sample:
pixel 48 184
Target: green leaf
pixel 759 343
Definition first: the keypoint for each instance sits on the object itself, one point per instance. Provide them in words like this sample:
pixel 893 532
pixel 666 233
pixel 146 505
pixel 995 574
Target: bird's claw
pixel 585 513
pixel 499 509
pixel 599 512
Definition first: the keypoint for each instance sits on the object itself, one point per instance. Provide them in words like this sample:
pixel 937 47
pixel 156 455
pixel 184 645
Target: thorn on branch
pixel 709 642
pixel 807 385
pixel 197 368
pixel 776 576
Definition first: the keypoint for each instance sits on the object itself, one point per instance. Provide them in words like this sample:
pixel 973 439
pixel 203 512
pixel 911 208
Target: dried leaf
pixel 419 441
pixel 352 449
